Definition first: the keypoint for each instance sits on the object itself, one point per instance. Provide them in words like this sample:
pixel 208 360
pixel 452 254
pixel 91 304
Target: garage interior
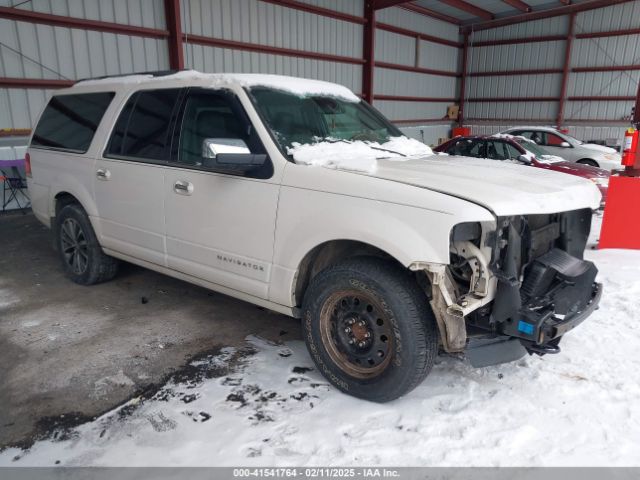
pixel 72 354
pixel 572 65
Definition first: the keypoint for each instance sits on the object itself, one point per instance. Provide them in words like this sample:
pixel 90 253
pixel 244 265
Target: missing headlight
pixel 470 231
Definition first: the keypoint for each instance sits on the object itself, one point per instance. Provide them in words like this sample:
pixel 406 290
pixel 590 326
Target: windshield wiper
pixel 386 150
pixel 368 144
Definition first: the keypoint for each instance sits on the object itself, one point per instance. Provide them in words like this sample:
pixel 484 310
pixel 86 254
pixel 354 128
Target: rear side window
pixel 142 129
pixel 69 122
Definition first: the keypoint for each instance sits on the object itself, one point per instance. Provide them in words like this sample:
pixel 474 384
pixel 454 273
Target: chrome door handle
pixel 103 174
pixel 183 187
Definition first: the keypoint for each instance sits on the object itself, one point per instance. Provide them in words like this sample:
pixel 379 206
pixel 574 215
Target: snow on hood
pixel 357 156
pixel 503 188
pixel 600 148
pixel 297 86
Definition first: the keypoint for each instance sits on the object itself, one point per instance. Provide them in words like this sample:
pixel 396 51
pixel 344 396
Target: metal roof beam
pixel 20 15
pixel 469 8
pixel 379 4
pixel 10 82
pixel 430 13
pixel 409 5
pixel 325 12
pixel 548 13
pixel 519 4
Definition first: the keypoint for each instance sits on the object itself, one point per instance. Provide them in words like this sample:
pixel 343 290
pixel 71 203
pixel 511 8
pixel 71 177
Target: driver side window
pixel 497 151
pixel 213 116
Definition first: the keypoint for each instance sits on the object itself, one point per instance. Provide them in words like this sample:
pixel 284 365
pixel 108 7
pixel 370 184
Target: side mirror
pixel 211 147
pixel 230 155
pixel 565 145
pixel 523 159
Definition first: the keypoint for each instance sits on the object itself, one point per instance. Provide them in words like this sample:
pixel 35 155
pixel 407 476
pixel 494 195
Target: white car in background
pixel 570 148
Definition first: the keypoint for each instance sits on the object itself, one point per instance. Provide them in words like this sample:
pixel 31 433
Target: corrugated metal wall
pixel 400 49
pixel 603 119
pixel 65 53
pixel 523 56
pixel 55 52
pixel 276 26
pixel 605 52
pixel 62 53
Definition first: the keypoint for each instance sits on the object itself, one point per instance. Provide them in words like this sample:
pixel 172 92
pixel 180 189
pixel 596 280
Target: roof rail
pixel 153 73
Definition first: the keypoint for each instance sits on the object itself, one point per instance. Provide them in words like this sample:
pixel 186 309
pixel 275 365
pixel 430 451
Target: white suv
pixel 297 196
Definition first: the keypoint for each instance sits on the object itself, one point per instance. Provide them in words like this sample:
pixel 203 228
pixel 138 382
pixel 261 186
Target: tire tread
pixel 102 267
pixel 400 283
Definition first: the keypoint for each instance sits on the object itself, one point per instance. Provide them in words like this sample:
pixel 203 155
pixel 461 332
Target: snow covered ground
pixel 267 406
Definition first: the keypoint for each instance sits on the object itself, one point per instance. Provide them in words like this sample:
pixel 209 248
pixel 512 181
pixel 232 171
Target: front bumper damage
pixel 558 294
pixel 535 288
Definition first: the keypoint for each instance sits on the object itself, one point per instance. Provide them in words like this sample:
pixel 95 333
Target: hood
pixel 599 148
pixel 503 188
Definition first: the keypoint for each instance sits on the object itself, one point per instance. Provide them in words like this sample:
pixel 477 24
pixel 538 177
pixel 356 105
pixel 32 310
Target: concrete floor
pixel 69 353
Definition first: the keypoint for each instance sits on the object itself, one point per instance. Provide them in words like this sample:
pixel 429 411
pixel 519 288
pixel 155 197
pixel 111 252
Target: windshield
pixel 532 147
pixel 312 119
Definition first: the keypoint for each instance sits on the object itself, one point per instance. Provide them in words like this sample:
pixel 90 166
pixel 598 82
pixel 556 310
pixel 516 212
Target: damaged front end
pixel 515 288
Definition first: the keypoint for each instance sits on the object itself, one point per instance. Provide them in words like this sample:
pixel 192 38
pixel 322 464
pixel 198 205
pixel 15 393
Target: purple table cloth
pixel 12 163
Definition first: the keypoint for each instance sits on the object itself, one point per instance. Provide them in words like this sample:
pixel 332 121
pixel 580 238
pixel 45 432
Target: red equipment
pixel 461 132
pixel 630 147
pixel 621 222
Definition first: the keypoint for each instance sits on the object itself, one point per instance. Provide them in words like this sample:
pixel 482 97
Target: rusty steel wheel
pixel 369 328
pixel 357 333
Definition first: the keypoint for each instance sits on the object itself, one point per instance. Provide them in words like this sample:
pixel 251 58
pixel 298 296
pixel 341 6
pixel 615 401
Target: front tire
pixel 82 258
pixel 369 328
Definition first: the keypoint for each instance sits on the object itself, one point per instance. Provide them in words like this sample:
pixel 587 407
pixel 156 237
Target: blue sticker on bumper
pixel 525 328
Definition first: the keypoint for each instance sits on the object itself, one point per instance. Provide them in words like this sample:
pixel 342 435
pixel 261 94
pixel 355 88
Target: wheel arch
pixel 588 161
pixel 67 188
pixel 62 199
pixel 329 253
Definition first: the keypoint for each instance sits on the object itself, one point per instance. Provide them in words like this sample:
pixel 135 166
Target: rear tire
pixel 82 258
pixel 589 162
pixel 369 328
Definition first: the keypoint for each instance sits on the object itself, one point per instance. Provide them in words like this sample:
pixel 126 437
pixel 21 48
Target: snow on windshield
pixel 357 156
